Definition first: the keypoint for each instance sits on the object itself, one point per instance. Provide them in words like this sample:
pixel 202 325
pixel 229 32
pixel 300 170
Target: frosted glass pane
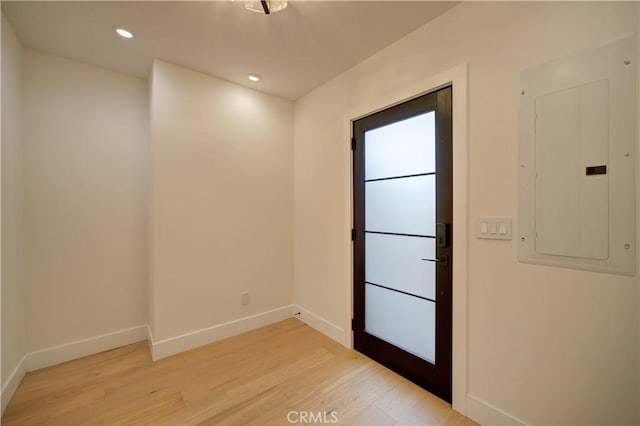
pixel 404 321
pixel 394 261
pixel 401 206
pixel 403 148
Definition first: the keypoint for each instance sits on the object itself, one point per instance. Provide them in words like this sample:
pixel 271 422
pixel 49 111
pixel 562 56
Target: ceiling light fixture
pixel 254 77
pixel 265 6
pixel 124 33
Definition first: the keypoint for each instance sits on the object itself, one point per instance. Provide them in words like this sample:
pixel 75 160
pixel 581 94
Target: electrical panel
pixel 577 160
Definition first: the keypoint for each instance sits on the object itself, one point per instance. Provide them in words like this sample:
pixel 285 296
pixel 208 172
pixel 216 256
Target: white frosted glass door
pixel 403 208
pixel 400 228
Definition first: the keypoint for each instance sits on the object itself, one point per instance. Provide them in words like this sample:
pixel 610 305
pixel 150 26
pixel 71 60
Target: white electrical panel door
pixel 577 158
pixel 572 184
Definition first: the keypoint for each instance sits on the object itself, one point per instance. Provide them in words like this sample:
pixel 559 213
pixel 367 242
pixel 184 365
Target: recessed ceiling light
pixel 254 77
pixel 124 33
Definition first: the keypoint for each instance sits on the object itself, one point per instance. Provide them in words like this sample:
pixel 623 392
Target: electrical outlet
pixel 245 298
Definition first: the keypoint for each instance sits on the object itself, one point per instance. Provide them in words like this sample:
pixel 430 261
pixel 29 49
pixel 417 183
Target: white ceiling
pixel 294 50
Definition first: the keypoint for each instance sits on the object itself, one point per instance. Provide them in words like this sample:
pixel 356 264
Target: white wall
pixel 546 345
pixel 13 318
pixel 85 141
pixel 638 198
pixel 221 201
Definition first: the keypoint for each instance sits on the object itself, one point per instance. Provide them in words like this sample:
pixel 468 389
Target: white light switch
pixel 502 229
pixel 494 228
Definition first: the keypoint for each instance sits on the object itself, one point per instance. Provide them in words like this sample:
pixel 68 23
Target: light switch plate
pixel 493 228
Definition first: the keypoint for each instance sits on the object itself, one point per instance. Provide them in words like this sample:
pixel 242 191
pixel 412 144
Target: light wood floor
pixel 255 378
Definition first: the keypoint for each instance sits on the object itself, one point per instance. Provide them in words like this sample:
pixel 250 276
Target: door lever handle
pixel 443 259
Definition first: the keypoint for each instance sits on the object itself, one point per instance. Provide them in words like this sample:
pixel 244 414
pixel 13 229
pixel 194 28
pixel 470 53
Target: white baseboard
pixel 12 383
pixel 174 345
pixel 80 348
pixel 150 341
pixel 325 327
pixel 486 414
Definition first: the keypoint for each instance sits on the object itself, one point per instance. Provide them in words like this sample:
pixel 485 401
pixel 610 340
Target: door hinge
pixel 353 144
pixel 353 235
pixel 353 324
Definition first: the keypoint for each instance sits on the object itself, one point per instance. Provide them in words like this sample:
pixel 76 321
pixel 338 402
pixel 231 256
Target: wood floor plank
pixel 267 376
